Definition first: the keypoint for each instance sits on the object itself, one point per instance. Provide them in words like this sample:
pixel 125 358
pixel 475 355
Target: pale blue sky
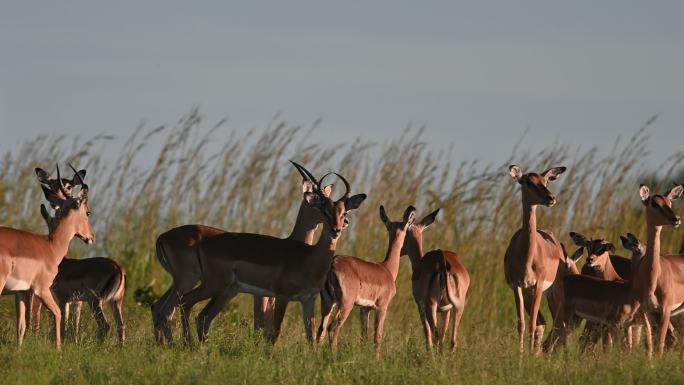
pixel 477 73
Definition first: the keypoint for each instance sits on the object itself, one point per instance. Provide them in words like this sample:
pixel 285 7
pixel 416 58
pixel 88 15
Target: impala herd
pixel 615 295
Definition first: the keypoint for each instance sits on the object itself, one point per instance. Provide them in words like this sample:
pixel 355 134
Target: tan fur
pixel 353 281
pixel 532 258
pixel 34 258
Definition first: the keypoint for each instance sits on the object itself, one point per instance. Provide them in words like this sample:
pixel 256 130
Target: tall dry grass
pixel 241 181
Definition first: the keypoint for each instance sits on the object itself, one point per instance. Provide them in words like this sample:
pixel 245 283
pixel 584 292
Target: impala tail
pixel 448 282
pixel 116 287
pixel 329 293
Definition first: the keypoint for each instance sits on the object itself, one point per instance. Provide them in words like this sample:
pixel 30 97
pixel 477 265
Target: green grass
pixel 249 186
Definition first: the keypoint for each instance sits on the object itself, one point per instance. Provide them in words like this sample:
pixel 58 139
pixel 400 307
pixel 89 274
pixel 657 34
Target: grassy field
pixel 248 185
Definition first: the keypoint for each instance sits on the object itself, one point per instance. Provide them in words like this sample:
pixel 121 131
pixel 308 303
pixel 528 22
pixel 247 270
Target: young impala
pixel 532 258
pixel 29 261
pixel 439 284
pixel 176 252
pixel 262 265
pixel 93 280
pixel 657 284
pixel 354 281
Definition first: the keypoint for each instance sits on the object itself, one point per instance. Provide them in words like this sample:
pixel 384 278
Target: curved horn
pixel 321 181
pixel 61 185
pixel 304 172
pixel 78 175
pixel 346 185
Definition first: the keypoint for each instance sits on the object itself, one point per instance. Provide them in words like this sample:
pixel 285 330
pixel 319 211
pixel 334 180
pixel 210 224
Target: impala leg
pixel 326 311
pixel 64 308
pixel 380 316
pixel 49 301
pixel 536 331
pixel 96 307
pixel 77 318
pixel 278 315
pixel 259 307
pixel 364 312
pixel 22 301
pixel 160 316
pixel 458 313
pixel 117 309
pixel 444 326
pixel 636 334
pixel 422 310
pixel 36 305
pixel 195 295
pixel 520 307
pixel 664 327
pixel 431 315
pixel 308 311
pixel 345 309
pixel 269 309
pixel 649 334
pixel 211 310
pixel 629 337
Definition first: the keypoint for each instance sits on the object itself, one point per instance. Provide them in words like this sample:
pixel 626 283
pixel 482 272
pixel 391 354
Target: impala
pixel 532 258
pixel 29 261
pixel 657 284
pixel 603 264
pixel 439 284
pixel 176 252
pixel 354 281
pixel 262 265
pixel 93 280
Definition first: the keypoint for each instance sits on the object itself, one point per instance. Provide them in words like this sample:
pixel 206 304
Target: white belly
pixel 676 309
pixel 546 285
pixel 590 317
pixel 247 288
pixel 14 284
pixel 364 302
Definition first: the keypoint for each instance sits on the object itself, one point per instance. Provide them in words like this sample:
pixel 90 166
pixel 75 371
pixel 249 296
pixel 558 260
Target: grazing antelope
pixel 29 261
pixel 439 284
pixel 93 280
pixel 354 281
pixel 657 283
pixel 533 255
pixel 177 253
pixel 258 264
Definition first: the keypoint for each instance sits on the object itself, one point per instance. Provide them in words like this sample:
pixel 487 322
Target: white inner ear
pixel 644 192
pixel 516 172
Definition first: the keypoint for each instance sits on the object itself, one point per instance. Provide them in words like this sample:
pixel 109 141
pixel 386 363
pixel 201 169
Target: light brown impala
pixel 259 264
pixel 657 284
pixel 93 280
pixel 532 258
pixel 354 281
pixel 439 283
pixel 176 252
pixel 29 261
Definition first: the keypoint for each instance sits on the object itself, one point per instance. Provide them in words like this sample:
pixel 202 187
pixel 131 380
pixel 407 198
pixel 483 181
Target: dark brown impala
pixel 29 261
pixel 258 264
pixel 177 253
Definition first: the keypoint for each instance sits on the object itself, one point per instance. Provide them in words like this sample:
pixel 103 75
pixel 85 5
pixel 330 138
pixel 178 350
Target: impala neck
pixel 60 238
pixel 529 227
pixel 303 230
pixel 413 247
pixel 650 263
pixel 393 256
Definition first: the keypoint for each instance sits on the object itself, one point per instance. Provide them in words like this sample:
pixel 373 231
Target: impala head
pixel 598 250
pixel 312 217
pixel 334 213
pixel 413 243
pixel 534 186
pixel 632 243
pixel 397 230
pixel 73 211
pixel 659 207
pixel 63 189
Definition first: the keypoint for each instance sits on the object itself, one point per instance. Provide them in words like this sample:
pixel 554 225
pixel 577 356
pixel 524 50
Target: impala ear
pixel 409 216
pixel 354 202
pixel 577 255
pixel 644 193
pixel 579 239
pixel 327 190
pixel 515 171
pixel 44 212
pixel 609 247
pixel 43 176
pixel 51 197
pixel 624 241
pixel 307 186
pixel 553 173
pixel 429 219
pixel 383 215
pixel 675 192
pixel 78 177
